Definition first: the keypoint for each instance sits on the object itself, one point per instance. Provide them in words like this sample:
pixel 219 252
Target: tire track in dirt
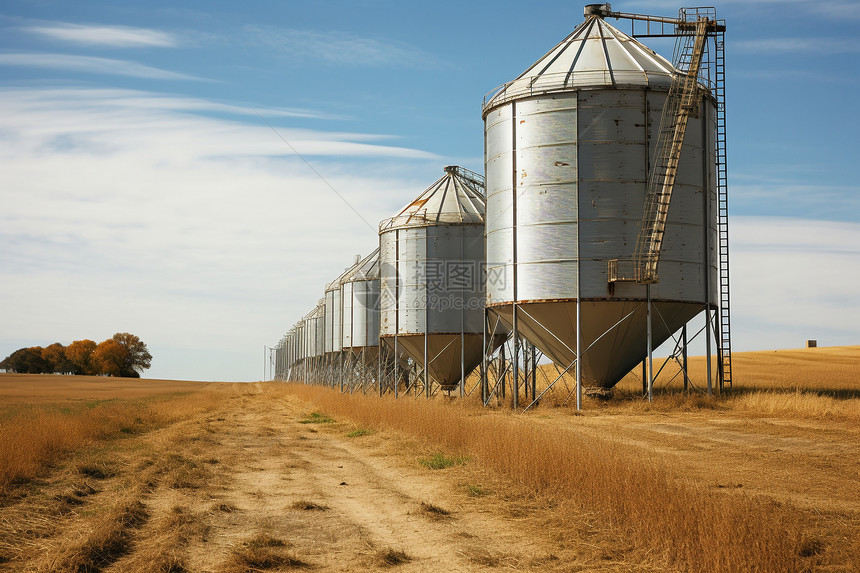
pixel 248 487
pixel 393 509
pixel 362 507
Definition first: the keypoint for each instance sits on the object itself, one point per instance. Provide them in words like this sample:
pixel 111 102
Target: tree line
pixel 124 354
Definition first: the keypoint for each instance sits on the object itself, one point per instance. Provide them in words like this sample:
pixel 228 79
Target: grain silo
pixel 431 267
pixel 570 145
pixel 360 325
pixel 334 311
pixel 314 342
pixel 291 358
pixel 360 296
pixel 298 370
pixel 282 357
pixel 334 362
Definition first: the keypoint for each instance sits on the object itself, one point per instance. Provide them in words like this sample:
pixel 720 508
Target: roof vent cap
pixel 601 10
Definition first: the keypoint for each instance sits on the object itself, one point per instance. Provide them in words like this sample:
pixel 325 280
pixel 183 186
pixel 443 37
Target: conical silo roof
pixel 318 311
pixel 366 269
pixel 340 278
pixel 595 54
pixel 456 198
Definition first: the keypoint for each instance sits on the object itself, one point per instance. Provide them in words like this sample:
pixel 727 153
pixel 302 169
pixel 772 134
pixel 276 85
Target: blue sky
pixel 142 190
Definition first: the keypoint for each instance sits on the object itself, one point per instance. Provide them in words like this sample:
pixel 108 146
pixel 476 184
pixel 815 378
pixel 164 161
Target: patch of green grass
pixel 359 432
pixel 317 418
pixel 476 490
pixel 441 461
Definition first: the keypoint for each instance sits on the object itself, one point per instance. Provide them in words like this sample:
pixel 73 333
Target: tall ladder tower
pixel 719 90
pixel 700 60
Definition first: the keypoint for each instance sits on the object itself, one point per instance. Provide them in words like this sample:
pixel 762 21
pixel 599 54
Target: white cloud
pixel 795 75
pixel 840 10
pixel 91 65
pixel 766 11
pixel 127 212
pixel 114 36
pixel 119 99
pixel 780 196
pixel 93 120
pixel 798 45
pixel 339 48
pixel 794 279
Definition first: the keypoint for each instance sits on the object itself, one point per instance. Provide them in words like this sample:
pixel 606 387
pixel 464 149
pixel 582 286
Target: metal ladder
pixel 725 336
pixel 681 103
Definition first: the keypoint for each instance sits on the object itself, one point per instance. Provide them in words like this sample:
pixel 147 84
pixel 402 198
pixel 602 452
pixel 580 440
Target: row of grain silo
pixel 485 275
pixel 409 315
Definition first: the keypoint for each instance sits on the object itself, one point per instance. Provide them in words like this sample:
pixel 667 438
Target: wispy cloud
pixel 123 99
pixel 82 119
pixel 131 211
pixel 794 279
pixel 91 65
pixel 840 9
pixel 833 10
pixel 114 36
pixel 785 196
pixel 796 45
pixel 339 48
pixel 797 75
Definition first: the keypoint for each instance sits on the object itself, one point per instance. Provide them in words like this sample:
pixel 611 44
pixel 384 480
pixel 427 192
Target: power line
pixel 318 174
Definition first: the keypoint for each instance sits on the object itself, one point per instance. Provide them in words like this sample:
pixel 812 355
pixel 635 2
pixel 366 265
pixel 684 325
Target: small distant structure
pixel 812 343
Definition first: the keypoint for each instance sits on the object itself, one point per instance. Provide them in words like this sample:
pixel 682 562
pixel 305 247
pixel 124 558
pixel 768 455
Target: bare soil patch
pixel 250 487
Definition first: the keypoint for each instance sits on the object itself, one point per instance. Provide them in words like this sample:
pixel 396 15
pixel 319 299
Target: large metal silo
pixel 314 341
pixel 360 296
pixel 290 355
pixel 297 351
pixel 431 263
pixel 300 345
pixel 569 146
pixel 319 326
pixel 334 312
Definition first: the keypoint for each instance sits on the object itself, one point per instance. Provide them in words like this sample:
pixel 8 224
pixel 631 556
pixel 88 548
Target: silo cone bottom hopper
pixel 443 353
pixel 620 326
pixel 371 353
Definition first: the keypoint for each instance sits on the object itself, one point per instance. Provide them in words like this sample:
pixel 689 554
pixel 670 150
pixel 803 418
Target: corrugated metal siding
pixel 365 313
pixel 412 299
pixel 333 326
pixel 388 283
pixel 349 318
pixel 611 132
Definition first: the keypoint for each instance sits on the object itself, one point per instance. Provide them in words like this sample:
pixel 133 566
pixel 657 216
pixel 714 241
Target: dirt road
pixel 256 479
pixel 259 484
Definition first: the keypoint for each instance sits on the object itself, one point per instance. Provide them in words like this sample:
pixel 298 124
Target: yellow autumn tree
pixel 80 354
pixel 137 357
pixel 109 357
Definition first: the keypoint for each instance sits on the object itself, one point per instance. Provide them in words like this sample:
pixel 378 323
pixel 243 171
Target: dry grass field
pixel 135 475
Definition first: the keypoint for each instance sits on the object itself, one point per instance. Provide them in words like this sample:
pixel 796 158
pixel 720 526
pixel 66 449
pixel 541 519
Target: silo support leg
pixel 684 357
pixel 515 384
pixel 650 349
pixel 708 348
